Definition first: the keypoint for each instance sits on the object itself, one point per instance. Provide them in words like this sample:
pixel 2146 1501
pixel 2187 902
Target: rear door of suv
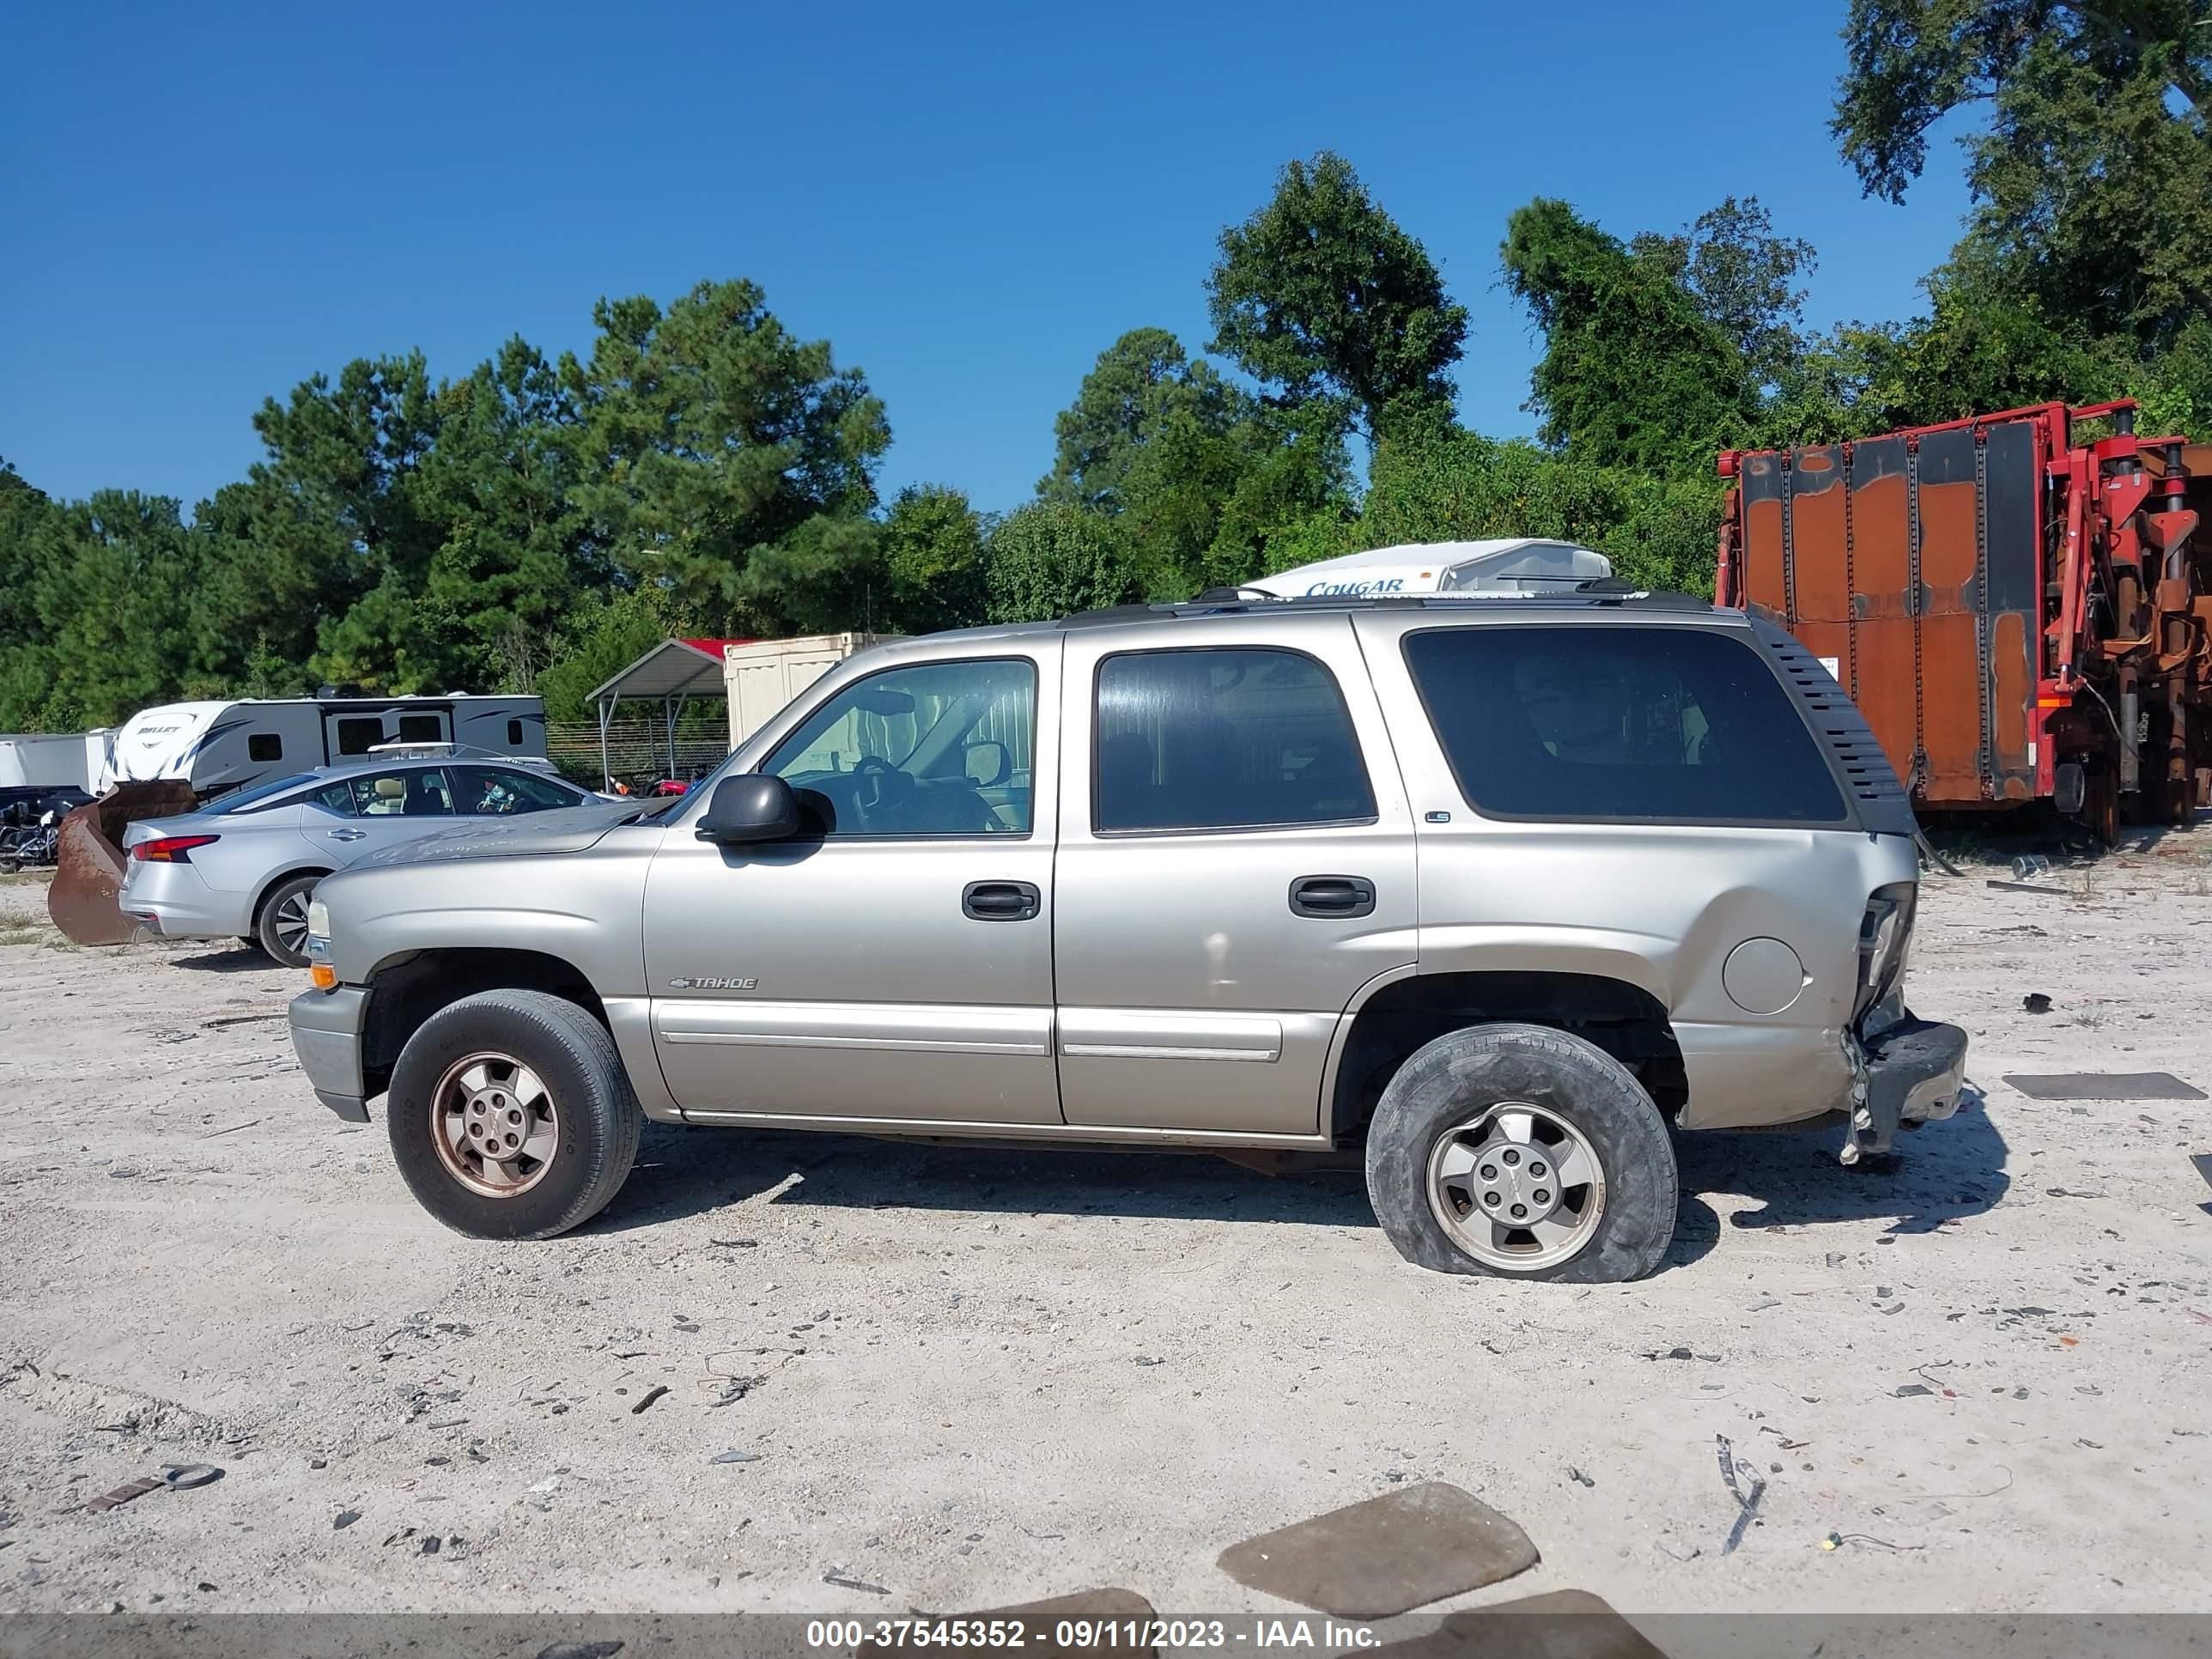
pixel 1236 863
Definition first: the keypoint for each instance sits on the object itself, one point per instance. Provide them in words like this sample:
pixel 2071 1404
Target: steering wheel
pixel 883 794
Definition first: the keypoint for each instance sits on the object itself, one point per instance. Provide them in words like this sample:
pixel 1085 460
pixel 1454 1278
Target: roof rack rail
pixel 1607 592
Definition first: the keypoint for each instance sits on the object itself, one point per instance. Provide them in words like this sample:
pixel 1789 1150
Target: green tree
pixel 333 514
pixel 1196 473
pixel 715 439
pixel 511 558
pixel 1743 278
pixel 1143 389
pixel 605 634
pixel 1633 373
pixel 1052 559
pixel 1322 296
pixel 935 559
pixel 1294 492
pixel 1974 352
pixel 115 575
pixel 2092 180
pixel 1658 531
pixel 26 666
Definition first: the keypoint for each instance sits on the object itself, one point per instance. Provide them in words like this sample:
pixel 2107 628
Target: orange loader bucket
pixel 89 859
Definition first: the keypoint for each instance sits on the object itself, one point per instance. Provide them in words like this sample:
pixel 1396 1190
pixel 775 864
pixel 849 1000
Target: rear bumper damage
pixel 1912 1070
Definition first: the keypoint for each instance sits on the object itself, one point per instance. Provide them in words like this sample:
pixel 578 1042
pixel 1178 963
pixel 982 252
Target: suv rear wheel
pixel 511 1115
pixel 1522 1152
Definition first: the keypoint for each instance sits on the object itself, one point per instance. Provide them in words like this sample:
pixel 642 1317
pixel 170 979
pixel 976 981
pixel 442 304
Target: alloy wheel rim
pixel 292 922
pixel 1516 1186
pixel 493 1122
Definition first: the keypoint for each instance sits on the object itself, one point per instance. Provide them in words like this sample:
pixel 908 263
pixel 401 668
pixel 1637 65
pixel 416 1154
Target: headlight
pixel 319 920
pixel 1884 931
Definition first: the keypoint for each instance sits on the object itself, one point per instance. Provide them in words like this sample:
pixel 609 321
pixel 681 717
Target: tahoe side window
pixel 939 749
pixel 1236 738
pixel 1619 722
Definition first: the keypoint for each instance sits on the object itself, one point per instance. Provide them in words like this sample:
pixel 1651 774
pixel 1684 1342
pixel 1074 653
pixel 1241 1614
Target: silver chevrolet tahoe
pixel 1504 891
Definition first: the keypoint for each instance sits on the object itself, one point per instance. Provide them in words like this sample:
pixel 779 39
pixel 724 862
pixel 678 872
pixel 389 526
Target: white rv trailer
pixel 217 747
pixel 39 760
pixel 1520 564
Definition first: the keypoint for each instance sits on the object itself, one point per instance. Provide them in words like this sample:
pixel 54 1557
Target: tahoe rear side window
pixel 1235 738
pixel 1618 723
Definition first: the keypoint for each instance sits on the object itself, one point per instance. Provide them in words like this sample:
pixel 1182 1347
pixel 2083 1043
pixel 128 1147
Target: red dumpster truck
pixel 2020 603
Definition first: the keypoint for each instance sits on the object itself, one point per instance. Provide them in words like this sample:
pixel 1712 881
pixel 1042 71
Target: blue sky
pixel 201 205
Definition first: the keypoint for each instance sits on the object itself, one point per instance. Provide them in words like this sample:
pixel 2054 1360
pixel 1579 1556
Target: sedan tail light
pixel 170 849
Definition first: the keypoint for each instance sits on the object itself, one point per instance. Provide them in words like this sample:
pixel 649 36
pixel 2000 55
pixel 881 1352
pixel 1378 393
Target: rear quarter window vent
pixel 1865 768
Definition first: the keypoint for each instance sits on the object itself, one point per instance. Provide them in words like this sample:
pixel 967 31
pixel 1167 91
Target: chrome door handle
pixel 348 835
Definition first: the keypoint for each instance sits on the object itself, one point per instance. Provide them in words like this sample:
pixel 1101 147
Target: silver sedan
pixel 245 865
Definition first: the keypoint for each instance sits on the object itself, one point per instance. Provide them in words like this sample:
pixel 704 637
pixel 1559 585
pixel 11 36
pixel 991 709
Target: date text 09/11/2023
pixel 1109 1635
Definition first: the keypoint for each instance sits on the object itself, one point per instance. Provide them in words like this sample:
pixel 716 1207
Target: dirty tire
pixel 264 921
pixel 1459 1074
pixel 599 1117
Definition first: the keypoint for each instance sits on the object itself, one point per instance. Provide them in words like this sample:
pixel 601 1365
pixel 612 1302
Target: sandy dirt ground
pixel 973 1377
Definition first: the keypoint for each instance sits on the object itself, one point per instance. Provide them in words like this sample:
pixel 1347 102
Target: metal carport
pixel 671 674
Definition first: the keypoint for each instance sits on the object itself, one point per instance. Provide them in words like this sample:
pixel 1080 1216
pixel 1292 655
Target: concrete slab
pixel 1388 1555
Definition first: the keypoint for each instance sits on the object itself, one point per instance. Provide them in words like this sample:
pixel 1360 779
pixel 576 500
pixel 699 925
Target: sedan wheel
pixel 281 929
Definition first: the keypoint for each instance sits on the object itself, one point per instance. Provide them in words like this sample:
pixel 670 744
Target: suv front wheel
pixel 1522 1153
pixel 511 1115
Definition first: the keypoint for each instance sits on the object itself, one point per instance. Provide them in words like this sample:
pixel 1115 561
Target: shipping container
pixel 763 676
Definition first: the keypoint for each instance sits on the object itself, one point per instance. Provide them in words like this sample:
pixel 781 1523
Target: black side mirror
pixel 750 808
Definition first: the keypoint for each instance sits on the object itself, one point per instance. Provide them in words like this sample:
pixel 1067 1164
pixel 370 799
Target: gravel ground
pixel 974 1377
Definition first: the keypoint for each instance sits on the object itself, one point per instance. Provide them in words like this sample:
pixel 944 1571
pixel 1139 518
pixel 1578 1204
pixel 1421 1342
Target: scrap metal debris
pixel 2102 1085
pixel 1836 1540
pixel 734 1389
pixel 834 1576
pixel 125 1493
pixel 1745 1485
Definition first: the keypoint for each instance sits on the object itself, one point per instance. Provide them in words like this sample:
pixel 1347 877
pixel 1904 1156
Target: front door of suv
pixel 898 963
pixel 1236 862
